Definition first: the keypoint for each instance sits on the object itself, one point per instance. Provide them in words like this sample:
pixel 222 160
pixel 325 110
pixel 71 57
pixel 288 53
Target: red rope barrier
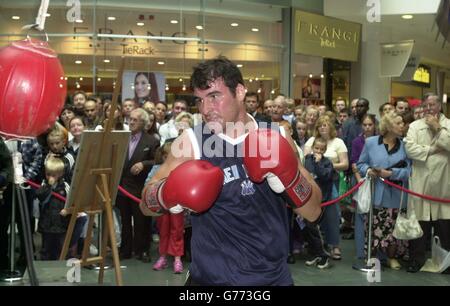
pixel 350 191
pixel 129 195
pixel 37 186
pixel 423 196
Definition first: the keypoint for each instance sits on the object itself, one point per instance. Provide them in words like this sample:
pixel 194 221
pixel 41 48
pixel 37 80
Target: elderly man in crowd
pixel 428 145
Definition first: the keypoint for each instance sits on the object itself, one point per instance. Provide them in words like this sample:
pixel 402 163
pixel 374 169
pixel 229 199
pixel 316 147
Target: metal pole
pixel 12 275
pixel 362 265
pixel 369 239
pixel 26 229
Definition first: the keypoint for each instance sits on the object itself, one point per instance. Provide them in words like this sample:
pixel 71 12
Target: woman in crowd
pixel 152 125
pixel 385 156
pixel 337 153
pixel 312 113
pixel 66 115
pixel 369 130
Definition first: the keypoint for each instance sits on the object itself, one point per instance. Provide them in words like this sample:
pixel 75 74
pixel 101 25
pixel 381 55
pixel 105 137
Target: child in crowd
pixel 322 170
pixel 57 141
pixel 52 224
pixel 171 226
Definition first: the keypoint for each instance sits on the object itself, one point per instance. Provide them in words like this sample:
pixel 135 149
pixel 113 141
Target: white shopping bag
pixel 363 197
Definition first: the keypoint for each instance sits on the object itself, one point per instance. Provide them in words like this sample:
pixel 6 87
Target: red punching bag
pixel 32 88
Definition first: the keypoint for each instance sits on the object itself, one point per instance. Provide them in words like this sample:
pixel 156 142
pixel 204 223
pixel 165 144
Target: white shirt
pixel 167 131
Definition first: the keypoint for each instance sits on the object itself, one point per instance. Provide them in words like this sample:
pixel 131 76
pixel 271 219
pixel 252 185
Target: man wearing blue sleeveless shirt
pixel 236 187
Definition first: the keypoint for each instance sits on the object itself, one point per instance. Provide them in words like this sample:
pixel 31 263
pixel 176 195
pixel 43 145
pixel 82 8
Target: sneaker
pixel 313 262
pixel 323 263
pixel 177 266
pixel 160 264
pixel 155 238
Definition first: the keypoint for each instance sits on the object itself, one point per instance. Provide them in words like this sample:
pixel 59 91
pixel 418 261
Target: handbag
pixel 407 228
pixel 363 197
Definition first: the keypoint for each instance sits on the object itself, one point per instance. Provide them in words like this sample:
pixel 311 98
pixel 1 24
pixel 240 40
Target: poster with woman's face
pixel 311 88
pixel 143 86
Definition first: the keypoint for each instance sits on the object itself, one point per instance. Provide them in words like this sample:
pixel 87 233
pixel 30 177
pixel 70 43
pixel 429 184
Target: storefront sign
pixel 410 69
pixel 422 75
pixel 137 50
pixel 327 37
pixel 394 57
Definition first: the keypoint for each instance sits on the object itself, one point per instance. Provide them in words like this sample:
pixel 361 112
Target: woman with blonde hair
pixel 385 156
pixel 338 154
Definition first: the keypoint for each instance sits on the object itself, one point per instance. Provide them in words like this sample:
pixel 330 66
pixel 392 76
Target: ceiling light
pixel 65 78
pixel 239 65
pixel 174 21
pixel 160 63
pixel 199 27
pixel 48 15
pixel 180 79
pixel 184 87
pixel 321 76
pixel 255 29
pixel 15 17
pixel 234 24
pixel 167 86
pixel 78 62
pixel 140 24
pixel 259 90
pixel 407 16
pixel 112 18
pixel 106 60
pixel 81 79
pixel 273 91
pixel 99 79
pixel 256 79
pixel 79 21
pixel 310 75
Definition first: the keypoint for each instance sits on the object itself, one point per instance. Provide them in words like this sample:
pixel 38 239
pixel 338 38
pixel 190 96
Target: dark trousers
pixel 417 247
pixel 52 245
pixel 5 222
pixel 136 236
pixel 312 235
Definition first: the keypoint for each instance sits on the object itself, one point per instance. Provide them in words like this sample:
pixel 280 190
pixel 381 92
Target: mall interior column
pixel 365 75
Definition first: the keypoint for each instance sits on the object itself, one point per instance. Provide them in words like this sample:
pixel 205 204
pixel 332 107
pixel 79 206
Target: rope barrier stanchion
pixel 350 191
pixel 423 196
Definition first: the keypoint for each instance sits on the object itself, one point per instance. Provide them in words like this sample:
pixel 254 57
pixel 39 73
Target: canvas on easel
pixel 94 189
pixel 95 182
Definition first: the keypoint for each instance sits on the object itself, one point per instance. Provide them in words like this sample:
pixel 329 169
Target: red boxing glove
pixel 269 155
pixel 194 185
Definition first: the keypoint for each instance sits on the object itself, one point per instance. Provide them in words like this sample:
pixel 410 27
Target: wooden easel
pixel 94 186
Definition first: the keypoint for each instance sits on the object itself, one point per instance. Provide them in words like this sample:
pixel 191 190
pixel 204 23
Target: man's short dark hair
pixel 364 101
pixel 252 94
pixel 400 99
pixel 345 110
pixel 210 70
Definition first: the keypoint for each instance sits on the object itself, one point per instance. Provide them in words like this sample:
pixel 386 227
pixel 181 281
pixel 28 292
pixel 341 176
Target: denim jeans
pixel 330 222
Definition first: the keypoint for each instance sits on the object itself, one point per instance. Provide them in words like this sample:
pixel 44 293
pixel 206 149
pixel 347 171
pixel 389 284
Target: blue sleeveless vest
pixel 243 238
